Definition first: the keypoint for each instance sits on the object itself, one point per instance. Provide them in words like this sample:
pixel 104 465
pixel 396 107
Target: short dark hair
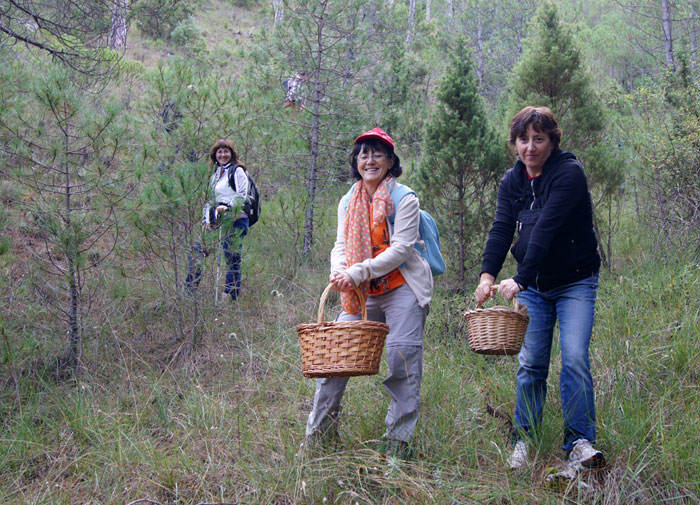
pixel 542 120
pixel 371 145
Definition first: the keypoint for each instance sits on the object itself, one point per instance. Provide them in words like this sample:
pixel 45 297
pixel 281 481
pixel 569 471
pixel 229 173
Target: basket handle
pixel 324 296
pixel 516 305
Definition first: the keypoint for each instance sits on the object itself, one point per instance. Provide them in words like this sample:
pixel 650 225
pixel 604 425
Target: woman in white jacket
pixel 228 186
pixel 379 259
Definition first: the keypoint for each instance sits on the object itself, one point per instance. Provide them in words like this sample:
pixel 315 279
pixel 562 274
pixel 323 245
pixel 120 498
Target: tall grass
pixel 227 423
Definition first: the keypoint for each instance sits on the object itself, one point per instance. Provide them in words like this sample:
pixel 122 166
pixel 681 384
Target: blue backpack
pixel 427 229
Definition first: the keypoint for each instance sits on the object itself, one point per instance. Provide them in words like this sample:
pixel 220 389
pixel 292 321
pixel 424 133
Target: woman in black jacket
pixel 545 197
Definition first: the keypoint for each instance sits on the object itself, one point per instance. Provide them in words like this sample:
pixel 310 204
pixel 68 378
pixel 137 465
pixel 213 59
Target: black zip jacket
pixel 553 214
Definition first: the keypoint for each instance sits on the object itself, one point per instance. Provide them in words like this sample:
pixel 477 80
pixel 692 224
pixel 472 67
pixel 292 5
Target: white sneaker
pixel 583 453
pixel 518 457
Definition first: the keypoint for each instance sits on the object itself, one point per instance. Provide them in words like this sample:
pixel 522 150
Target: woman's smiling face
pixel 223 155
pixel 373 165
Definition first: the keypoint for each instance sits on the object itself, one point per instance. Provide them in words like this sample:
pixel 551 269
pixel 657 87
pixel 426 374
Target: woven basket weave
pixel 341 348
pixel 497 330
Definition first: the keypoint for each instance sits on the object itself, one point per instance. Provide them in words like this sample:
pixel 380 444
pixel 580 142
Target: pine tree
pixel 552 73
pixel 462 158
pixel 65 141
pixel 69 31
pixel 323 41
pixel 187 107
pixel 668 143
pixel 401 88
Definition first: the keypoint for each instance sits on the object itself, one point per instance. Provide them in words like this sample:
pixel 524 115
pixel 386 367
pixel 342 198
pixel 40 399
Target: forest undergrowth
pixel 224 422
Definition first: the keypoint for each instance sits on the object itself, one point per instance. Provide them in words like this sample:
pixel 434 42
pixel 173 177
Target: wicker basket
pixel 497 330
pixel 341 348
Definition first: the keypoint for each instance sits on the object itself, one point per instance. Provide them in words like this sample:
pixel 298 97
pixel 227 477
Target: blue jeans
pixel 574 306
pixel 231 245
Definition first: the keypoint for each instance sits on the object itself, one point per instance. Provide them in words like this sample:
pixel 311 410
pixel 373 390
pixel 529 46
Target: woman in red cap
pixel 376 254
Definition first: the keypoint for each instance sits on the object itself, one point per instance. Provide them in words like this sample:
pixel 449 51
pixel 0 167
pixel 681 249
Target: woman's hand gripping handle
pixel 341 281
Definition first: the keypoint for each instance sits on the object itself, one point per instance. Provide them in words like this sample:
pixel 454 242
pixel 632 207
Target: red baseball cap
pixel 376 133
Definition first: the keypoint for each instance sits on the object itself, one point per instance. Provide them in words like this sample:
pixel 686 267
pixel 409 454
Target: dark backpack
pixel 252 204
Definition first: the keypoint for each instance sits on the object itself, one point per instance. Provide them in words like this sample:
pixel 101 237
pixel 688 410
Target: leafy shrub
pixel 158 18
pixel 671 154
pixel 185 33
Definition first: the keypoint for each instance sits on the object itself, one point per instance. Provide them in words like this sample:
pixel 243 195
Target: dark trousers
pixel 231 245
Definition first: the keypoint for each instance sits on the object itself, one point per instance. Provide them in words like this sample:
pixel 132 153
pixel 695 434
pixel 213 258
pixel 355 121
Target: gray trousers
pixel 404 351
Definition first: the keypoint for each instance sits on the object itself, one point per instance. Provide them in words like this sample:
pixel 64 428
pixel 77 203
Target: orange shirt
pixel 380 242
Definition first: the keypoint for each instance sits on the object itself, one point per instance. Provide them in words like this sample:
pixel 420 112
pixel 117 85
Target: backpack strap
pixel 400 190
pixel 232 176
pixel 347 196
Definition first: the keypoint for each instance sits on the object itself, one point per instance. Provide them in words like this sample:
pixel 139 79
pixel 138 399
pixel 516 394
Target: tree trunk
pixel 480 49
pixel 315 127
pixel 180 326
pixel 411 22
pixel 278 5
pixel 520 34
pixel 450 9
pixel 117 32
pixel 462 231
pixel 693 37
pixel 76 337
pixel 610 232
pixel 311 183
pixel 601 246
pixel 427 10
pixel 349 60
pixel 666 19
pixel 74 327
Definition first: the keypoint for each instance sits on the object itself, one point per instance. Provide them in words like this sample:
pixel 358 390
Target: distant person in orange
pixel 294 97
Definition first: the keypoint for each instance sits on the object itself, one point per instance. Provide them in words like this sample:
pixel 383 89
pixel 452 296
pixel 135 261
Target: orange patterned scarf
pixel 358 238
